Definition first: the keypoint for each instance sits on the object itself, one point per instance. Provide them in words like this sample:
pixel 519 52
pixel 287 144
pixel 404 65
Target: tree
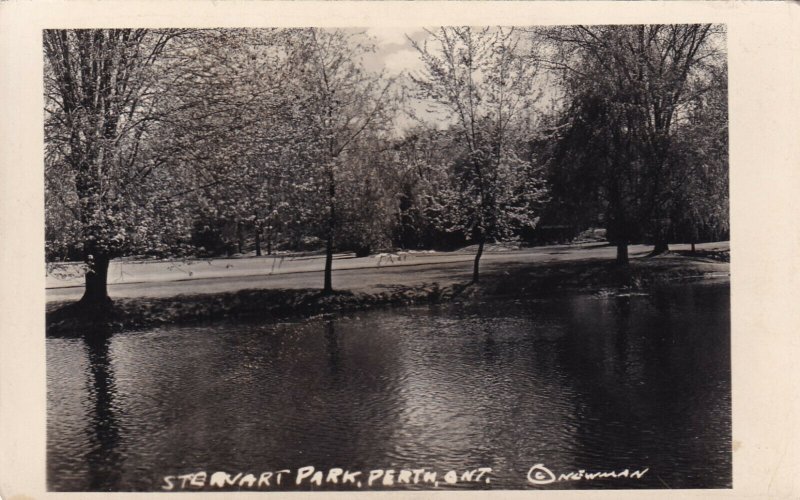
pixel 566 137
pixel 481 80
pixel 593 167
pixel 420 174
pixel 699 163
pixel 234 128
pixel 102 105
pixel 634 82
pixel 368 214
pixel 343 101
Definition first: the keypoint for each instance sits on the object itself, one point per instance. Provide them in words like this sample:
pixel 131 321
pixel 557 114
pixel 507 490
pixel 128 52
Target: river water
pixel 574 382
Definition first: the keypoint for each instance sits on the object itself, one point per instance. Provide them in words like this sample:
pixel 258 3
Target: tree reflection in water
pixel 334 352
pixel 104 458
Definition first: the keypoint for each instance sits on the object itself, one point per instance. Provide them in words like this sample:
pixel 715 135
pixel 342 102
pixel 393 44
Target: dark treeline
pixel 169 143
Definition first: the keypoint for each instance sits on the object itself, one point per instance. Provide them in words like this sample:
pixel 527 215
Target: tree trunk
pixel 96 291
pixel 475 275
pixel 693 247
pixel 258 239
pixel 239 236
pixel 662 231
pixel 622 253
pixel 328 285
pixel 269 238
pixel 661 246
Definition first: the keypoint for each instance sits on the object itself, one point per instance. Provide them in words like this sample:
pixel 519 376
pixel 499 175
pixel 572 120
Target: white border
pixel 764 50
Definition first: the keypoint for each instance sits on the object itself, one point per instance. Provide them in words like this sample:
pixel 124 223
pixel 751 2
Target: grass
pixel 516 280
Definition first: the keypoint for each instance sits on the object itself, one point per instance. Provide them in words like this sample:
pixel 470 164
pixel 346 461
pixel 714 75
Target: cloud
pixel 391 35
pixel 406 60
pixel 394 50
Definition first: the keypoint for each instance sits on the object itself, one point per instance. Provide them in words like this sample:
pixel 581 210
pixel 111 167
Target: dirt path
pixel 165 279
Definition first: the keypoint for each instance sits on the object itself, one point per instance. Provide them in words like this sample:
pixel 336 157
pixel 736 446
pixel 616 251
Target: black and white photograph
pixel 316 249
pixel 438 257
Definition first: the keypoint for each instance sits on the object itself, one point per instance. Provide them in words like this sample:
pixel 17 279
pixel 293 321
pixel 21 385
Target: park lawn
pixel 507 278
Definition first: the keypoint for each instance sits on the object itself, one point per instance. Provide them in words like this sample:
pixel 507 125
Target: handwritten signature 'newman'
pixel 539 474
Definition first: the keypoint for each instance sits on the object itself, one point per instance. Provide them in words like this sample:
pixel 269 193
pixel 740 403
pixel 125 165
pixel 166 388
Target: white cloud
pixel 403 60
pixel 391 35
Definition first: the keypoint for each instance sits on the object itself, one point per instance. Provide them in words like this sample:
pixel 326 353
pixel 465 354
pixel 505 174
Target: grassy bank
pixel 515 280
pixel 125 314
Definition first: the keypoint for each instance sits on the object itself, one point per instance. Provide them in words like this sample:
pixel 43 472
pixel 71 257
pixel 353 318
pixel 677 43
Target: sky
pixel 396 56
pixel 394 50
